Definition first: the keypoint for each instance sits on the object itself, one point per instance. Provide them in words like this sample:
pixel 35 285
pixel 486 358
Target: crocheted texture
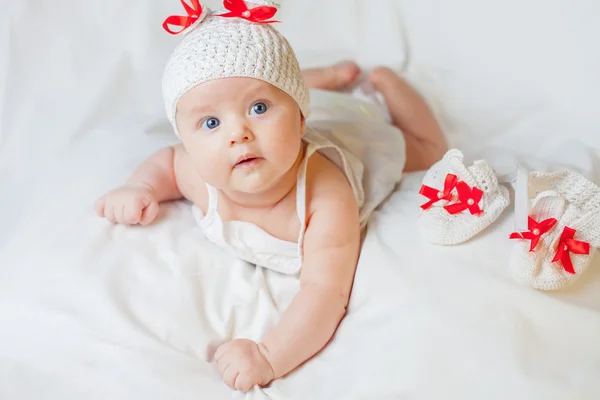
pixel 439 226
pixel 219 47
pixel 575 202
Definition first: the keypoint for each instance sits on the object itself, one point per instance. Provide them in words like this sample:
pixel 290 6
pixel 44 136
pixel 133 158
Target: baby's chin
pixel 258 182
pixel 253 187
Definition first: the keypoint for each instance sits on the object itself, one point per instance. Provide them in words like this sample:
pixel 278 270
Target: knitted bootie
pixel 462 201
pixel 563 234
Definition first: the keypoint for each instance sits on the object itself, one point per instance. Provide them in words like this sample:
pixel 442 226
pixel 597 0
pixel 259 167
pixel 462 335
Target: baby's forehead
pixel 228 90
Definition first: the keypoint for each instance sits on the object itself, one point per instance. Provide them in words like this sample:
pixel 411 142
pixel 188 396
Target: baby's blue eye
pixel 210 123
pixel 259 108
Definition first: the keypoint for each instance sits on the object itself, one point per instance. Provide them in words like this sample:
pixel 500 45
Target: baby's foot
pixel 338 77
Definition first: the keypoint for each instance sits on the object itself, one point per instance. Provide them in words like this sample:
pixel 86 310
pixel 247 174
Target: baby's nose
pixel 243 135
pixel 241 139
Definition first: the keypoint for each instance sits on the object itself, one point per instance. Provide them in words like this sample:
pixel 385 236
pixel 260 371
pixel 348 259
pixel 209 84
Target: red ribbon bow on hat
pixel 435 195
pixel 469 198
pixel 536 230
pixel 238 9
pixel 194 12
pixel 567 244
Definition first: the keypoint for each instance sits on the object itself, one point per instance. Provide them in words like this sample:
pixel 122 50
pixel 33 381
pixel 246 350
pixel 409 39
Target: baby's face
pixel 243 134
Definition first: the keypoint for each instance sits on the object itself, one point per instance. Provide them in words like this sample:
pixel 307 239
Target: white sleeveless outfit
pixel 353 134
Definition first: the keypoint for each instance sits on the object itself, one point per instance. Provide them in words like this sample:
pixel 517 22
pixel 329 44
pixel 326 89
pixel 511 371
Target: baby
pixel 266 185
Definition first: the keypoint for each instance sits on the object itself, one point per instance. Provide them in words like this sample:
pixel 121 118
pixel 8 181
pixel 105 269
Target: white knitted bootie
pixel 462 201
pixel 563 234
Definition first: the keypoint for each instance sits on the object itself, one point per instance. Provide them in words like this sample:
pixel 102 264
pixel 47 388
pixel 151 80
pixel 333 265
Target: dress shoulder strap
pixel 301 191
pixel 213 199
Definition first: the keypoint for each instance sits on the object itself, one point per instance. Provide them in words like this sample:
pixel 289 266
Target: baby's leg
pixel 425 142
pixel 338 77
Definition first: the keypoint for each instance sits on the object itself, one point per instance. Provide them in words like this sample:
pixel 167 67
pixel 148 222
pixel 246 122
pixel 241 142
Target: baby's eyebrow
pixel 198 109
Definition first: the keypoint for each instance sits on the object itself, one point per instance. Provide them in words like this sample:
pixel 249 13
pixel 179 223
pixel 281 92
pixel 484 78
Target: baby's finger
pixel 132 213
pixel 109 211
pixel 244 382
pixel 230 375
pixel 99 206
pixel 146 199
pixel 222 366
pixel 211 349
pixel 149 213
pixel 119 211
pixel 220 352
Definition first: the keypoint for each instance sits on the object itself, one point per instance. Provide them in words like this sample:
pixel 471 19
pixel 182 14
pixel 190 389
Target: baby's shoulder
pixel 332 209
pixel 326 182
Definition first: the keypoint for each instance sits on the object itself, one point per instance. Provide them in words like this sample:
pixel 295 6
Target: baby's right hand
pixel 128 205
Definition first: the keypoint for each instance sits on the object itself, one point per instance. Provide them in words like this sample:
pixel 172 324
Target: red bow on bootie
pixel 536 230
pixel 194 12
pixel 468 199
pixel 238 9
pixel 435 195
pixel 567 244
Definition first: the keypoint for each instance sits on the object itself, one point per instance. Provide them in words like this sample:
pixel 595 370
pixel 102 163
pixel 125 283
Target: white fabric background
pixel 89 310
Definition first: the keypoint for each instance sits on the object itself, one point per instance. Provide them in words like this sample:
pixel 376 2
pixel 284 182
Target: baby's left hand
pixel 242 365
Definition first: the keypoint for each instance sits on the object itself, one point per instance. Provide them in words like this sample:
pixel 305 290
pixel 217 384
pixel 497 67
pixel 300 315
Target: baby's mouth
pixel 248 161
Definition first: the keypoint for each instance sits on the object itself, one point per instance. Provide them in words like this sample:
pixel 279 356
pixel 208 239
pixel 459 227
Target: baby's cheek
pixel 287 151
pixel 214 170
pixel 284 144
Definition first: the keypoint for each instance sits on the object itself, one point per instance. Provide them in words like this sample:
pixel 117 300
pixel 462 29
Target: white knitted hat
pixel 237 42
pixel 463 201
pixel 565 224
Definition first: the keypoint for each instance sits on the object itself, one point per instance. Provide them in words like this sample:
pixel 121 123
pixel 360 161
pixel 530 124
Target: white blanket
pixel 96 311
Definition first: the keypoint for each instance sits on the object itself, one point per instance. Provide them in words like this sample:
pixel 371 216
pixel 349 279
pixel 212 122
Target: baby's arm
pixel 331 249
pixel 166 175
pixel 157 174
